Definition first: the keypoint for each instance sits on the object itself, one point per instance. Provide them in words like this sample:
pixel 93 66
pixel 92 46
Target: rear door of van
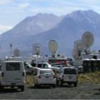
pixel 70 75
pixel 13 71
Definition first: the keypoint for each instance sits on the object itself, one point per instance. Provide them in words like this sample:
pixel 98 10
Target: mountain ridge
pixel 65 32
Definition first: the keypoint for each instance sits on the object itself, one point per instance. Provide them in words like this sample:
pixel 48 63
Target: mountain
pixel 70 29
pixel 65 31
pixel 36 24
pixel 23 32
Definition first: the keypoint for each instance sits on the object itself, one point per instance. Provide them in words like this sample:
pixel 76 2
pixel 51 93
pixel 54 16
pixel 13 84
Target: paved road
pixel 82 91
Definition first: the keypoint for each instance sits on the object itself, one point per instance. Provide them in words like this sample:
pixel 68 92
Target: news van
pixel 68 75
pixel 12 74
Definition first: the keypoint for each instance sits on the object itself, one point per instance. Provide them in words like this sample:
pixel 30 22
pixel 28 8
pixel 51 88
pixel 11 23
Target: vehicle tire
pixel 69 84
pixel 12 87
pixel 54 86
pixel 60 82
pixel 57 82
pixel 1 88
pixel 22 88
pixel 35 85
pixel 75 84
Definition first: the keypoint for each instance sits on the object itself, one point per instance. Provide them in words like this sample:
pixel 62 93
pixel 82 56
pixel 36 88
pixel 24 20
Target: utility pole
pixel 11 47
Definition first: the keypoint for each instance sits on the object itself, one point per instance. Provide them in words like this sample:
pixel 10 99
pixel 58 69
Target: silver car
pixel 44 77
pixel 68 75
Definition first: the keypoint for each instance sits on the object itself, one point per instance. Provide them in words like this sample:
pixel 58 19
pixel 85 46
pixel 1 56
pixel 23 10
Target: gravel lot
pixel 82 91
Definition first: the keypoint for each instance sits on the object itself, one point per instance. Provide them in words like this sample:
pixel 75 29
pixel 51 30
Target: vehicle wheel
pixel 54 86
pixel 35 85
pixel 75 84
pixel 22 88
pixel 60 82
pixel 57 82
pixel 69 84
pixel 12 87
pixel 1 88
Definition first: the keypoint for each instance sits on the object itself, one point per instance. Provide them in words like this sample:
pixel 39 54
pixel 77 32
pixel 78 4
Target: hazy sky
pixel 14 11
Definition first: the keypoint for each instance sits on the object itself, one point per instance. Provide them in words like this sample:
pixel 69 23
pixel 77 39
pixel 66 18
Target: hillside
pixel 65 31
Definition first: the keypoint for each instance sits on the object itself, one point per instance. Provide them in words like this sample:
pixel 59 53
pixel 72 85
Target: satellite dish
pixel 78 45
pixel 87 39
pixel 36 48
pixel 53 46
pixel 16 52
pixel 75 53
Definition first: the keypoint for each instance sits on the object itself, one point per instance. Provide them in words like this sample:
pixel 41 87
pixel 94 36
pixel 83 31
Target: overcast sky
pixel 14 11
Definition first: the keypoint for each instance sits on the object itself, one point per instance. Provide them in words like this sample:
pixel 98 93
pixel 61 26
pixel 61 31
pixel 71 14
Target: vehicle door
pixel 47 76
pixel 13 71
pixel 70 75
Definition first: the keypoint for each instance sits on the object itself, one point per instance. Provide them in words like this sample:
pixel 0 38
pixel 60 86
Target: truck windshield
pixel 12 66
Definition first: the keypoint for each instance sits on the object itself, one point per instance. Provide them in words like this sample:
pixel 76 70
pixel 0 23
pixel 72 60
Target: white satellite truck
pixel 12 74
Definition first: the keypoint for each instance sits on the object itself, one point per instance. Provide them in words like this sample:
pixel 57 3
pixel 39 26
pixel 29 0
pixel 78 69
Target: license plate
pixel 70 77
pixel 47 76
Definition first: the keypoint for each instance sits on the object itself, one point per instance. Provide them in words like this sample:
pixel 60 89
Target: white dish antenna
pixel 17 52
pixel 53 46
pixel 78 45
pixel 87 39
pixel 75 53
pixel 36 48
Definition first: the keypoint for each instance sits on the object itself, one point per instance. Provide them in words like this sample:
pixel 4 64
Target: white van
pixel 68 75
pixel 12 74
pixel 44 77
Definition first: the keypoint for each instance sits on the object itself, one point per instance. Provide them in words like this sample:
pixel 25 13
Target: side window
pixel 39 65
pixel 12 66
pixel 45 66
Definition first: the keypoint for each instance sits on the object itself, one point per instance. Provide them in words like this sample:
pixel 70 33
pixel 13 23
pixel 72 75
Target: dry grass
pixel 90 77
pixel 83 78
pixel 30 80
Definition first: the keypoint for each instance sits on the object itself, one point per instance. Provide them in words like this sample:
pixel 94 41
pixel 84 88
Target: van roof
pixel 45 69
pixel 69 67
pixel 12 61
pixel 41 62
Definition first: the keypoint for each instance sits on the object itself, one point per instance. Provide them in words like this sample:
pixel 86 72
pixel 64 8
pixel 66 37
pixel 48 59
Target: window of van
pixel 45 66
pixel 46 72
pixel 12 66
pixel 69 71
pixel 33 64
pixel 39 65
pixel 42 66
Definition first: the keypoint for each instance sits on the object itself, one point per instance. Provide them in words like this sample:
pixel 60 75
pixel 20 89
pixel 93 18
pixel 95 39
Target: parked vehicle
pixel 80 69
pixel 42 65
pixel 12 74
pixel 68 75
pixel 44 77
